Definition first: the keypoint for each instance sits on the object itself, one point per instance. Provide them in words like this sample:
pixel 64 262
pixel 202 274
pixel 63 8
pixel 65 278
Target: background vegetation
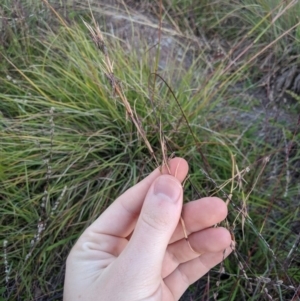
pixel 68 148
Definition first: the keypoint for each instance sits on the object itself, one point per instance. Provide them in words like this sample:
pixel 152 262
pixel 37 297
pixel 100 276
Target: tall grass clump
pixel 69 147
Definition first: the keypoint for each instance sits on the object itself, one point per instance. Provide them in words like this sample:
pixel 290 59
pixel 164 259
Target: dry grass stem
pixel 98 39
pixel 99 42
pixel 6 265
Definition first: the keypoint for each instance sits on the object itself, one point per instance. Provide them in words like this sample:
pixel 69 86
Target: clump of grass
pixel 68 151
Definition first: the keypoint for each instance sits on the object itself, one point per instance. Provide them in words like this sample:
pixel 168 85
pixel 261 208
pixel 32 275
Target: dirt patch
pixel 142 33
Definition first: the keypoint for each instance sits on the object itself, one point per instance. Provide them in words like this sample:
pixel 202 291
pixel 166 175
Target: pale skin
pixel 136 250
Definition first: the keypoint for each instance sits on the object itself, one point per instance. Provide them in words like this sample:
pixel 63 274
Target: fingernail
pixel 167 187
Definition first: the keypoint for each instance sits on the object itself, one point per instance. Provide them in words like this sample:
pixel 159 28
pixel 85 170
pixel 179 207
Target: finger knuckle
pixel 157 222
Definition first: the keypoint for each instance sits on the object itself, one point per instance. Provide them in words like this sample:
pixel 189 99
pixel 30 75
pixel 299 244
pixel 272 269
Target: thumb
pixel 157 221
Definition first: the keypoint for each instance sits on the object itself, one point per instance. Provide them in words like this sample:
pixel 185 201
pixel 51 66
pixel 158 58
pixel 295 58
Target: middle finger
pixel 199 215
pixel 211 240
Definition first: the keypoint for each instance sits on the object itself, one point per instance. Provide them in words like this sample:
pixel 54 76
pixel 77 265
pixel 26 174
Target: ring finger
pixel 210 240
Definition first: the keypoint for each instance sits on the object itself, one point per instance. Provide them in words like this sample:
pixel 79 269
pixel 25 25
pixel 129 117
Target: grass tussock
pixel 68 147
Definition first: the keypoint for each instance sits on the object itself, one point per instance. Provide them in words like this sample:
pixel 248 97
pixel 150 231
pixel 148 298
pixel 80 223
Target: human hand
pixel 136 250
